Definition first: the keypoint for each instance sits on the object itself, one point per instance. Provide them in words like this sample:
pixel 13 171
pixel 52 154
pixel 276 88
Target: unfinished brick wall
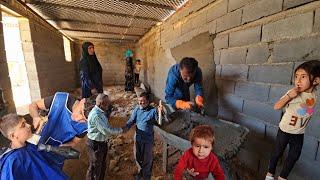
pixel 257 45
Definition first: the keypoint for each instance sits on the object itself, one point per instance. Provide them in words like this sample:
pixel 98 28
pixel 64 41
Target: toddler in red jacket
pixel 199 160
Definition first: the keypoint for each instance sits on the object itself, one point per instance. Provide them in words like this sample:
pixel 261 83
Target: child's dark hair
pixel 312 68
pixel 146 95
pixel 8 122
pixel 89 104
pixel 189 63
pixel 202 131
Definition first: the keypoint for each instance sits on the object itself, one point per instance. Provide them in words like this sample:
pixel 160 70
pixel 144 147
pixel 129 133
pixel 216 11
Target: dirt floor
pixel 121 158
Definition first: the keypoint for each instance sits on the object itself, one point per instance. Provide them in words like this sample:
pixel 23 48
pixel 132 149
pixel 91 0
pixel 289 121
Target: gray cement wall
pixel 256 46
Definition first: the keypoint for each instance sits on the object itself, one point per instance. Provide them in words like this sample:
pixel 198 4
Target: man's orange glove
pixel 183 105
pixel 199 101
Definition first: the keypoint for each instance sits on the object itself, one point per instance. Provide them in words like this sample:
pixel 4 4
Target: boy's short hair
pixel 8 122
pixel 146 95
pixel 202 131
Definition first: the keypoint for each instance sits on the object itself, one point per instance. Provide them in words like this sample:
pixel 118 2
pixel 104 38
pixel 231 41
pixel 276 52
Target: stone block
pixel 225 86
pixel 258 54
pixel 235 4
pixel 297 50
pixel 230 101
pixel 293 3
pixel 279 74
pixel 262 111
pixel 221 41
pixel 233 56
pixel 245 37
pixel 260 9
pixel 230 20
pixel 277 91
pixel 254 125
pixel 291 27
pixel 217 10
pixel 234 72
pixel 252 91
pixel 217 55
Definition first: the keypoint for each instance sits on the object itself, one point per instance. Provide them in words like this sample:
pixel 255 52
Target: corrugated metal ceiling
pixel 109 20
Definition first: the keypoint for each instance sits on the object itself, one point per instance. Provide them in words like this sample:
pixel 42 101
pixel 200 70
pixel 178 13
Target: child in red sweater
pixel 199 161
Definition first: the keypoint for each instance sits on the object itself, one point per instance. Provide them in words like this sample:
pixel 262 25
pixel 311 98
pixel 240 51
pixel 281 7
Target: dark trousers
pixel 97 152
pixel 144 158
pixel 295 142
pixel 136 78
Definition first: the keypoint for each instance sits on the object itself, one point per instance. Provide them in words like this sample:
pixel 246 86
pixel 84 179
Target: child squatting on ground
pixel 199 160
pixel 299 103
pixel 22 160
pixel 144 116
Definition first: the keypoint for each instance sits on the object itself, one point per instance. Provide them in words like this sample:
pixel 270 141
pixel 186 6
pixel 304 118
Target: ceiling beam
pixel 112 39
pixel 34 2
pixel 160 6
pixel 92 23
pixel 102 32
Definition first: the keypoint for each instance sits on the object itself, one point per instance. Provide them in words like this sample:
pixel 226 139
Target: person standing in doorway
pixel 90 71
pixel 129 84
pixel 137 69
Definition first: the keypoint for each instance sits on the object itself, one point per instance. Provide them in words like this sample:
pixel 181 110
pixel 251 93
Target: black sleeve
pixel 48 101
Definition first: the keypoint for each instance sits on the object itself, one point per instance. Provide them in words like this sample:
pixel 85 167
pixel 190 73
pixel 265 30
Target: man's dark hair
pixel 146 95
pixel 189 63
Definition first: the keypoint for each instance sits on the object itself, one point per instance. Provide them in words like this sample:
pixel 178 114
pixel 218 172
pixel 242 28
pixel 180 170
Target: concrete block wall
pixel 257 45
pixel 111 58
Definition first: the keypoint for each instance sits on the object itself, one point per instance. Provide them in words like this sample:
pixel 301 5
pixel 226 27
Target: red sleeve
pixel 182 164
pixel 216 169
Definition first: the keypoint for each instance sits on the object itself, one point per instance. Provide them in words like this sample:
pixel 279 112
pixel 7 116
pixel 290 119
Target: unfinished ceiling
pixel 107 20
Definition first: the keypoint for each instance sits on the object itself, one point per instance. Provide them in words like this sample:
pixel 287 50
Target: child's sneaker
pixel 269 178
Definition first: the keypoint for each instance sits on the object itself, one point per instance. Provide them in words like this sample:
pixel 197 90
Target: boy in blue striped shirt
pixel 144 116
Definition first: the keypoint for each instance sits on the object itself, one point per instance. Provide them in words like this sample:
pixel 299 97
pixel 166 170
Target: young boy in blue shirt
pixel 144 116
pixel 22 160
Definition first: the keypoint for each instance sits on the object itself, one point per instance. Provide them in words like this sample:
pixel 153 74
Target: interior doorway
pixel 16 63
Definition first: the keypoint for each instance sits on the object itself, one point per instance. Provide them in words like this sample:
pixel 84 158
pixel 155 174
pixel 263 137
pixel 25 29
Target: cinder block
pixel 233 56
pixel 225 114
pixel 297 50
pixel 262 111
pixel 199 20
pixel 260 9
pixel 235 4
pixel 225 86
pixel 293 3
pixel 313 127
pixel 230 101
pixel 221 41
pixel 229 20
pixel 290 27
pixel 309 149
pixel 187 26
pixel 234 72
pixel 217 10
pixel 217 55
pixel 218 71
pixel 255 125
pixel 316 26
pixel 280 74
pixel 252 91
pixel 245 37
pixel 277 91
pixel 271 131
pixel 305 168
pixel 212 27
pixel 258 54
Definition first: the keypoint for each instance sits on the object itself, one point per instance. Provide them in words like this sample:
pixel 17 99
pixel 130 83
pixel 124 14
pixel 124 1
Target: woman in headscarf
pixel 90 71
pixel 129 85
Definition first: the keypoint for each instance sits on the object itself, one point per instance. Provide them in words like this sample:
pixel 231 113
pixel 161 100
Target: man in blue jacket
pixel 180 77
